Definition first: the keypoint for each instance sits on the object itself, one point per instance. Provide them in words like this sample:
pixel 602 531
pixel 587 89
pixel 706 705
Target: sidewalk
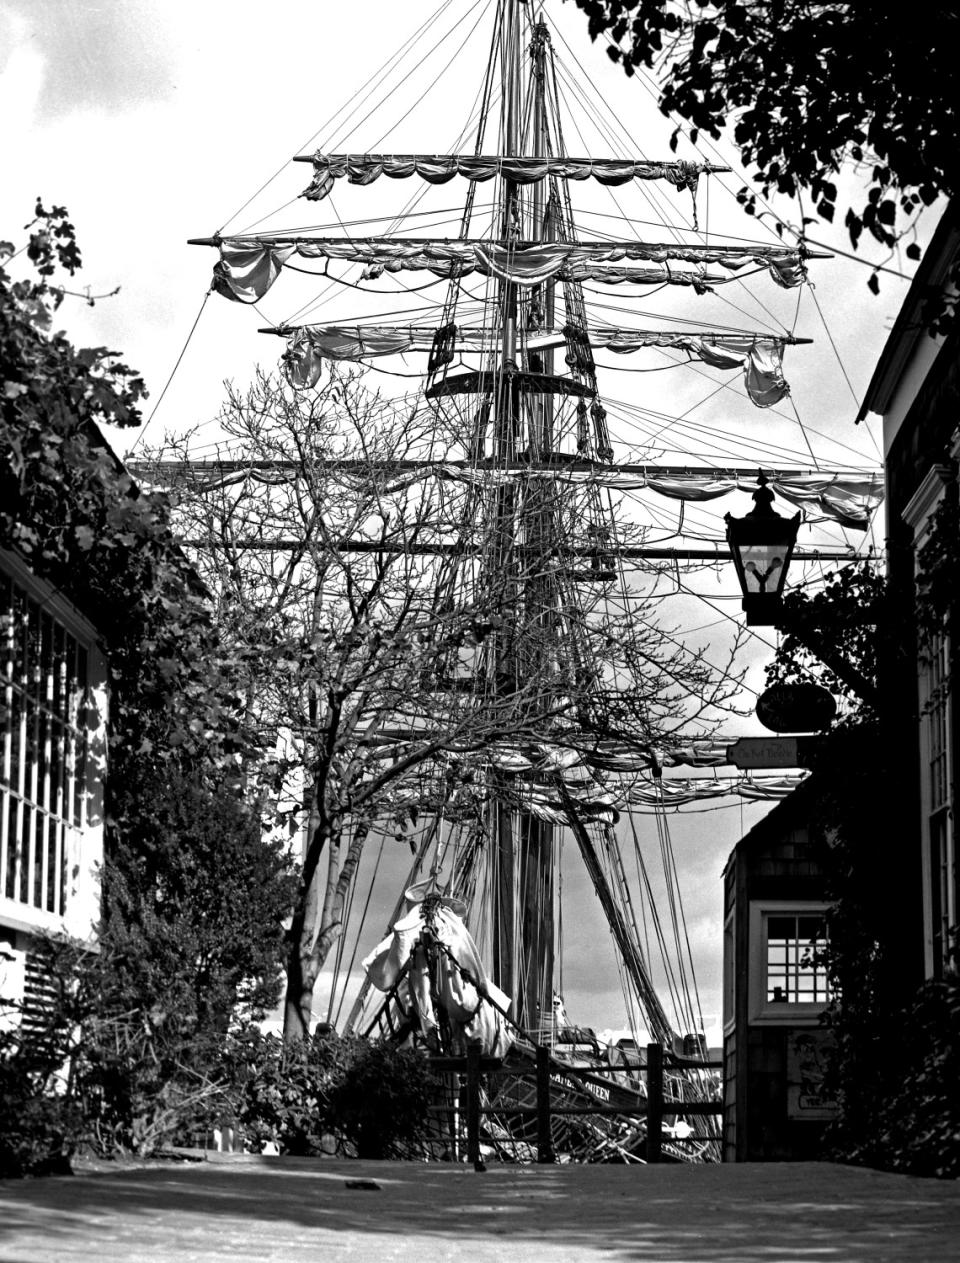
pixel 257 1210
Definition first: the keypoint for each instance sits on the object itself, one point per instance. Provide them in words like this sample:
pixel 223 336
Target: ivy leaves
pixel 69 506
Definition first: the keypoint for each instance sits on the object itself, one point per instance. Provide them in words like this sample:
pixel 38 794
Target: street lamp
pixel 761 545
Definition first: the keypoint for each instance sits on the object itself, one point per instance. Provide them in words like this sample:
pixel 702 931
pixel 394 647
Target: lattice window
pixel 45 681
pixel 796 973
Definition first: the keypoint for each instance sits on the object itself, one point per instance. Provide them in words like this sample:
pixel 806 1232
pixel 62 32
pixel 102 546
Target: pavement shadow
pixel 716 1214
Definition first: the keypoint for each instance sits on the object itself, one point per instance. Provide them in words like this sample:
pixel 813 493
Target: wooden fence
pixel 474 1066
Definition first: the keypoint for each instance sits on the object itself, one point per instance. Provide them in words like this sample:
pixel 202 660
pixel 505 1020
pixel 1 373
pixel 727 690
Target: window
pixel 941 899
pixel 796 973
pixel 937 795
pixel 44 727
pixel 787 980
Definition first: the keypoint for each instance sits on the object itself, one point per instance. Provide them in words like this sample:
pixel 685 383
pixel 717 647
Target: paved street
pixel 264 1209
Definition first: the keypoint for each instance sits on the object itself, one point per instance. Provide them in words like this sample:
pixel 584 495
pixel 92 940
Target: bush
pixel 330 1094
pixel 282 1095
pixel 115 1081
pixel 40 1123
pixel 380 1101
pixel 918 1125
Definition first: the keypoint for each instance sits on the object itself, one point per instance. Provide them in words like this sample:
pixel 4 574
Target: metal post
pixel 654 1101
pixel 544 1131
pixel 473 1107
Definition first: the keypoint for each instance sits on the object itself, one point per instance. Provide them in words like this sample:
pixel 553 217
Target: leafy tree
pixel 194 896
pixel 840 633
pixel 191 946
pixel 808 90
pixel 195 913
pixel 74 512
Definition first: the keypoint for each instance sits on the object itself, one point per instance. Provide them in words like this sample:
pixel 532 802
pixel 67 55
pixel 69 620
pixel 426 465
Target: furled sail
pixel 760 356
pixel 249 265
pixel 461 987
pixel 642 794
pixel 849 499
pixel 439 168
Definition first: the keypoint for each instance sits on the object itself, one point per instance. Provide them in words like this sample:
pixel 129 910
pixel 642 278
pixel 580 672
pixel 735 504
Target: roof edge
pixel 907 330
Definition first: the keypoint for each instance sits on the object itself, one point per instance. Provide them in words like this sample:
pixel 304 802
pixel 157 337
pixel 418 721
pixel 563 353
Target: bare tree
pixel 394 628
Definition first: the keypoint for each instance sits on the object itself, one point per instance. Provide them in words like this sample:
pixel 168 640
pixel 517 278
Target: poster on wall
pixel 806 1063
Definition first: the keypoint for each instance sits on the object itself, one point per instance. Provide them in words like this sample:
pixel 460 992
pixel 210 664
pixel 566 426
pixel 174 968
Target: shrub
pixel 918 1128
pixel 380 1101
pixel 40 1123
pixel 330 1093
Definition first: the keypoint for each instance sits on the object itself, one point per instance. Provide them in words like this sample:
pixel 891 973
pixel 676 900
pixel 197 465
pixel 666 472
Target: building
pixel 775 990
pixel 915 388
pixel 53 732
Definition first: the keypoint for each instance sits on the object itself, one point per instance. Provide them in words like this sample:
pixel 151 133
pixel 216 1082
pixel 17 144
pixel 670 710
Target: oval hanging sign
pixel 796 708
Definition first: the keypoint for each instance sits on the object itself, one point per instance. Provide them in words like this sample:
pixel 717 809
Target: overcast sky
pixel 156 120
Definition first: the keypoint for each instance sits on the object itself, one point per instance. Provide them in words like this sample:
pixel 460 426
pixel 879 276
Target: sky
pixel 154 121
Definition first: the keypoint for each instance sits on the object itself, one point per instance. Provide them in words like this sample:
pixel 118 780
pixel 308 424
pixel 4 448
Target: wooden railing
pixel 657 1106
pixel 474 1066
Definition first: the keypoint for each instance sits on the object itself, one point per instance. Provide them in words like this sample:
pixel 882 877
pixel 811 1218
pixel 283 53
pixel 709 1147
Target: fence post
pixel 654 1101
pixel 473 1106
pixel 544 1131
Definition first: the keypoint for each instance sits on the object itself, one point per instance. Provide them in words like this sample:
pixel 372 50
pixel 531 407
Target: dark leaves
pixel 812 88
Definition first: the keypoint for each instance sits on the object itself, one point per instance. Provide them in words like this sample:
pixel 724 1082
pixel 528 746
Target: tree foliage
pixel 840 634
pixel 810 90
pixel 69 507
pixel 191 934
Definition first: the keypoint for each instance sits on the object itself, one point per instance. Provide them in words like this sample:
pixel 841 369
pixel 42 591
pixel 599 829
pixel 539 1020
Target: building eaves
pixel 908 328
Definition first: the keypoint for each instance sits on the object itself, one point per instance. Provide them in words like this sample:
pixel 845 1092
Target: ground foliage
pixel 329 1094
pixel 100 1077
pixel 811 91
pixel 40 1123
pixel 194 897
pixel 894 1064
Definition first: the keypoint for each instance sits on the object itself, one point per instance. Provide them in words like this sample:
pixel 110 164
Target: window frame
pixel 766 1012
pixel 80 849
pixel 938 851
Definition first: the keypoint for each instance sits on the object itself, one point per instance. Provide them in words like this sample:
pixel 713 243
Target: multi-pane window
pixel 796 973
pixel 43 721
pixel 935 668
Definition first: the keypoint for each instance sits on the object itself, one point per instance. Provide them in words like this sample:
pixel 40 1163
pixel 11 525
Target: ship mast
pixel 534 525
pixel 506 417
pixel 523 916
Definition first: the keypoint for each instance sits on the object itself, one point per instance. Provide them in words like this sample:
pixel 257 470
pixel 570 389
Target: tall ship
pixel 541 711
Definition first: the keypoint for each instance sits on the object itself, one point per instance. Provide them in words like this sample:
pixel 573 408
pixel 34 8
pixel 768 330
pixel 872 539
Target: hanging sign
pixel 796 708
pixel 766 752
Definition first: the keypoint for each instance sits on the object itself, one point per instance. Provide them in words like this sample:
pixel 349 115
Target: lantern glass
pixel 764 568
